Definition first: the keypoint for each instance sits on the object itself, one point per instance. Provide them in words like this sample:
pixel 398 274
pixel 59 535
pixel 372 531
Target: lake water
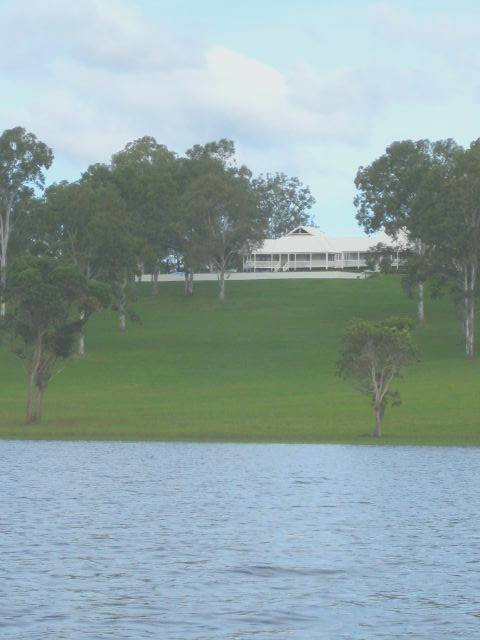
pixel 206 541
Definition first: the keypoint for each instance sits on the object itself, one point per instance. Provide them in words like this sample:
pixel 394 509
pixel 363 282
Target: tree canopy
pixel 42 322
pixel 373 355
pixel 23 160
pixel 287 203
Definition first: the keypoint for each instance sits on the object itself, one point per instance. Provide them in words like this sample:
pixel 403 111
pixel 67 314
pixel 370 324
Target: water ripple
pixel 228 542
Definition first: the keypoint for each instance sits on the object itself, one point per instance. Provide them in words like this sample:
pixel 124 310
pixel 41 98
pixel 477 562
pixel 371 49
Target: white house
pixel 308 249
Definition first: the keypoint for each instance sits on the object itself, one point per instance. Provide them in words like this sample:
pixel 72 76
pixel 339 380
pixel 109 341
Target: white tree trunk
pixel 81 339
pixel 421 304
pixel 221 284
pixel 470 274
pixel 3 282
pixel 470 329
pixel 155 282
pixel 4 238
pixel 122 306
pixel 420 250
pixel 188 283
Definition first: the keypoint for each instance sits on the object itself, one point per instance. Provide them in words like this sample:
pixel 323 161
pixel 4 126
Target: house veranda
pixel 308 249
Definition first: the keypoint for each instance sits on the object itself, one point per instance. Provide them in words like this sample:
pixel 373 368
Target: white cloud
pixel 103 74
pixel 88 77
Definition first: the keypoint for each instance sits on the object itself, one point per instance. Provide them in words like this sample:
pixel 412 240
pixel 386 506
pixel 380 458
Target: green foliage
pixel 146 175
pixel 286 202
pixel 394 191
pixel 23 160
pixel 42 323
pixel 373 355
pixel 224 214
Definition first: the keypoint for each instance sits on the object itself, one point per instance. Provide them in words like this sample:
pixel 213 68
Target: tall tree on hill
pixel 88 223
pixel 225 206
pixel 42 323
pixel 145 172
pixel 395 191
pixel 286 201
pixel 121 244
pixel 23 160
pixel 453 226
pixel 187 232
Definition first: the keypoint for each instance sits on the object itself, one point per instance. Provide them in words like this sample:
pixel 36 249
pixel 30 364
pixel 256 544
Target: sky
pixel 312 88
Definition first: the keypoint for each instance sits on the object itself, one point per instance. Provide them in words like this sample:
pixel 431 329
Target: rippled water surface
pixel 206 542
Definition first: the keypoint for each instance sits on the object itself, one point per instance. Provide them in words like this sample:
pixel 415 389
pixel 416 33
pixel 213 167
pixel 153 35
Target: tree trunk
pixel 470 275
pixel 4 238
pixel 81 338
pixel 3 282
pixel 188 283
pixel 155 282
pixel 470 327
pixel 122 304
pixel 420 251
pixel 379 411
pixel 421 304
pixel 39 404
pixel 221 284
pixel 31 399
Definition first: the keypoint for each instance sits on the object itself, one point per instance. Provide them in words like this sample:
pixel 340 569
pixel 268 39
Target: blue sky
pixel 314 89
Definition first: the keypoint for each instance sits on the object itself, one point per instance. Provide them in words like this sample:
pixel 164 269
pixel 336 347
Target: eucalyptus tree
pixel 225 206
pixel 42 325
pixel 145 173
pixel 395 191
pixel 87 222
pixel 373 355
pixel 187 232
pixel 23 161
pixel 121 247
pixel 286 200
pixel 453 225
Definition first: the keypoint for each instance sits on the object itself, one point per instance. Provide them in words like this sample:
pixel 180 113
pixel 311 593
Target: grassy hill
pixel 258 368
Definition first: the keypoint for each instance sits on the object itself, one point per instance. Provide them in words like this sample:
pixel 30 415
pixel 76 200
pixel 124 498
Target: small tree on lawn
pixel 373 355
pixel 42 326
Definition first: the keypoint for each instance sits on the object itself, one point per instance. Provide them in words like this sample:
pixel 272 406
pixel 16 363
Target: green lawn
pixel 259 368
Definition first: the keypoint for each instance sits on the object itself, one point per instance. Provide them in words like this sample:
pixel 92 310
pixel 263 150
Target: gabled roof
pixel 304 231
pixel 312 240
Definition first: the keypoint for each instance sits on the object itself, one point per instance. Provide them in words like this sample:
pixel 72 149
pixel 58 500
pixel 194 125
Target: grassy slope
pixel 260 368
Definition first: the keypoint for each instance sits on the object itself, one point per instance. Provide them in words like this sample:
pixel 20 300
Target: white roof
pixel 312 240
